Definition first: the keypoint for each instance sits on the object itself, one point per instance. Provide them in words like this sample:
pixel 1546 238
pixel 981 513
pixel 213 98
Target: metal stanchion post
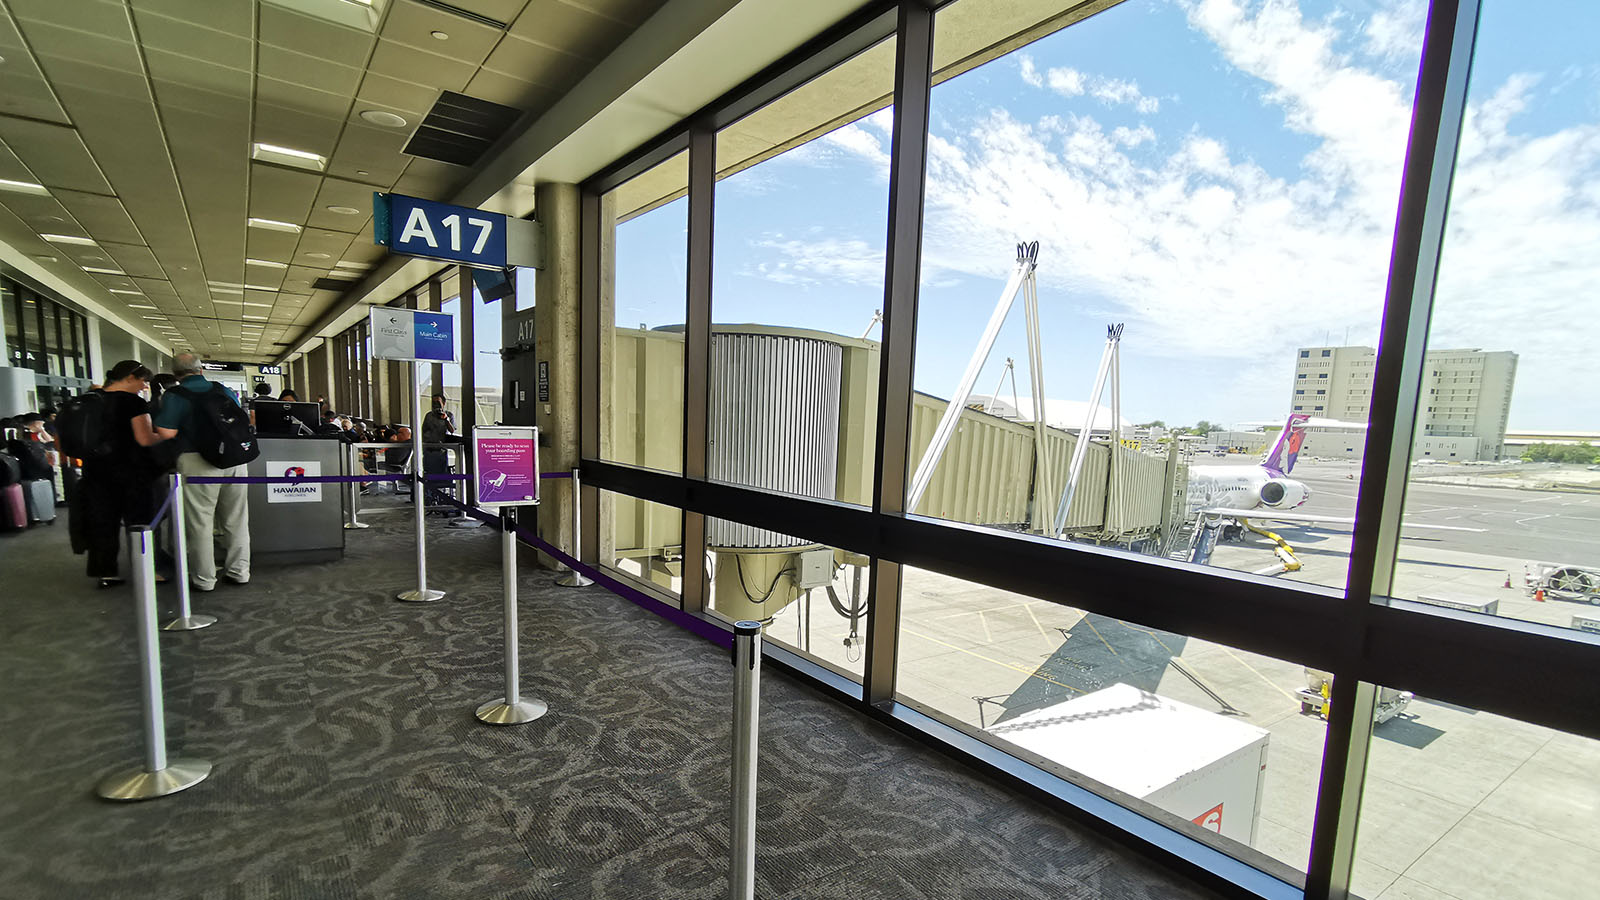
pixel 419 497
pixel 511 709
pixel 158 776
pixel 351 522
pixel 574 578
pixel 463 520
pixel 186 620
pixel 746 716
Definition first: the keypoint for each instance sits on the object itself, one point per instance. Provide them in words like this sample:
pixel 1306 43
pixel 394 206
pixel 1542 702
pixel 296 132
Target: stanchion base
pixel 499 712
pixel 351 526
pixel 573 579
pixel 137 784
pixel 415 596
pixel 190 623
pixel 465 522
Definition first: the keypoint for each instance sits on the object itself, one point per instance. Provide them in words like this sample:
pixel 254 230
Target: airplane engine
pixel 1284 493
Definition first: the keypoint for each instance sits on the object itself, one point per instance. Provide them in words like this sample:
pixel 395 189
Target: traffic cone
pixel 1508 579
pixel 1538 595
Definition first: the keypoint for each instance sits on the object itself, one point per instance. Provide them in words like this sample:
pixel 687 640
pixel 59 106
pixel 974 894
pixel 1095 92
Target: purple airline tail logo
pixel 1280 459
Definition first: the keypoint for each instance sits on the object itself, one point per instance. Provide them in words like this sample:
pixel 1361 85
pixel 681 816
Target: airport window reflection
pixel 1222 744
pixel 645 543
pixel 1468 805
pixel 802 202
pixel 1140 230
pixel 645 252
pixel 1505 464
pixel 811 598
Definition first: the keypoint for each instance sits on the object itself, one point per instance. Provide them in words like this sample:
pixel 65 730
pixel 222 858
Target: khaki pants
pixel 209 509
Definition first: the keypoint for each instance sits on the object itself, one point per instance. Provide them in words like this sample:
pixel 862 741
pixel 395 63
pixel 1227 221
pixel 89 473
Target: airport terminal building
pixel 683 449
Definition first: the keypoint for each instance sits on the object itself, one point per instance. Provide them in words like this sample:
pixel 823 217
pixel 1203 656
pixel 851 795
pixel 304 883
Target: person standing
pixel 207 508
pixel 117 484
pixel 437 427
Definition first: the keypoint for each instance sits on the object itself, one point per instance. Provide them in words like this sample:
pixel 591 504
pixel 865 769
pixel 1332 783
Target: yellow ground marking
pixel 1101 637
pixel 987 659
pixel 1258 674
pixel 1152 634
pixel 1037 624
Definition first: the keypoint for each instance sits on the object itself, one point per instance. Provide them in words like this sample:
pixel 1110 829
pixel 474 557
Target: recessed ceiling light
pixel 289 156
pixel 318 256
pixel 99 271
pixel 253 303
pixel 274 225
pixel 383 117
pixel 440 36
pixel 24 187
pixel 94 259
pixel 345 210
pixel 155 317
pixel 135 293
pixel 267 263
pixel 139 306
pixel 68 239
pixel 249 316
pixel 43 258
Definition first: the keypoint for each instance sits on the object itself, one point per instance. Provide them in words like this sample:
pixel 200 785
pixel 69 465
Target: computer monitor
pixel 281 418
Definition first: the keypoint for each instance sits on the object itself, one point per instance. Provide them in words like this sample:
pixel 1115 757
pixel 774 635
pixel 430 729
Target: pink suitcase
pixel 13 511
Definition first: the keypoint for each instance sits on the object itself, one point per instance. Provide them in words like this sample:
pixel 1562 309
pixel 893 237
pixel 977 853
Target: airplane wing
pixel 1267 515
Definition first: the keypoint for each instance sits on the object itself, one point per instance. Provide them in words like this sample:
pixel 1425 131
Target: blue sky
pixel 1221 175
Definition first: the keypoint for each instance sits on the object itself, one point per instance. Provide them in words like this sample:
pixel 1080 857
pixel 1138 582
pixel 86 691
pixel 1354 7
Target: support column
pixel 556 343
pixel 97 359
pixel 435 301
pixel 469 352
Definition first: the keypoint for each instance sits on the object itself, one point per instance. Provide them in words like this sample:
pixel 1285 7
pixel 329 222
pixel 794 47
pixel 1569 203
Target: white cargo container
pixel 1200 766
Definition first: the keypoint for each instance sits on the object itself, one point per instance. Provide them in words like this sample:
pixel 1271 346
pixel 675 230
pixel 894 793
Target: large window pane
pixel 1467 805
pixel 812 598
pixel 643 296
pixel 797 283
pixel 1506 460
pixel 1214 741
pixel 488 374
pixel 1219 179
pixel 645 542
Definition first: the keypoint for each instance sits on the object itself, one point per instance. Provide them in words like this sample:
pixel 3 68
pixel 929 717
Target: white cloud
pixel 1395 31
pixel 1069 82
pixel 1209 256
pixel 809 263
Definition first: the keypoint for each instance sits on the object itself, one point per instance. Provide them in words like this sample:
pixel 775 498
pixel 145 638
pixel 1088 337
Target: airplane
pixel 1263 486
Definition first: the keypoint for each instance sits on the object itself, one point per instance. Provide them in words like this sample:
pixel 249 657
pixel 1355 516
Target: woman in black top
pixel 118 484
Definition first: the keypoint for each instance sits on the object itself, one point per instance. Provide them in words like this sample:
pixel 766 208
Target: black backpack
pixel 33 457
pixel 81 430
pixel 222 433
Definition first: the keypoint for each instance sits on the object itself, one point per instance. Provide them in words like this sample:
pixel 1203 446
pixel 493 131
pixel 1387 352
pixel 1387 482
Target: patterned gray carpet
pixel 349 765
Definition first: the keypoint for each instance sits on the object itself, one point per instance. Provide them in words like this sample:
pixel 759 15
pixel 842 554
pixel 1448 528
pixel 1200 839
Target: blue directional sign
pixel 412 334
pixel 411 226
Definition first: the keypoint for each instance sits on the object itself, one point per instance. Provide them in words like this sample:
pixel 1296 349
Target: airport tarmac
pixel 1459 804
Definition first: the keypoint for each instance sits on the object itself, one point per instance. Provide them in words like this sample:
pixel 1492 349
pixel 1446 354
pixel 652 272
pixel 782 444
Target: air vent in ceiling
pixel 459 128
pixel 332 284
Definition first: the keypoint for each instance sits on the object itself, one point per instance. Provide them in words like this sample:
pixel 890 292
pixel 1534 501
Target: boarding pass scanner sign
pixel 412 334
pixel 505 466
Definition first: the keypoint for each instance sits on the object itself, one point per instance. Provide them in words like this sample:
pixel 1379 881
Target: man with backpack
pixel 214 439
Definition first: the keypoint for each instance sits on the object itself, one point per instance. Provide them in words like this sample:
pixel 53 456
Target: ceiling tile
pixel 52 42
pixel 394 94
pixel 287 95
pixel 409 64
pixel 55 153
pixel 292 128
pixel 630 11
pixel 104 217
pixel 233 18
pixel 310 71
pixel 262 243
pixel 97 16
pixel 134 259
pixel 188 38
pixel 167 67
pixel 497 87
pixel 528 61
pixel 42 214
pixel 338 192
pixel 414 24
pixel 303 34
pixel 281 194
pixel 571 29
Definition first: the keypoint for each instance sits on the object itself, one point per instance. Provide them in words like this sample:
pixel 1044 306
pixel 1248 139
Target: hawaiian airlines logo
pixel 294 472
pixel 1211 819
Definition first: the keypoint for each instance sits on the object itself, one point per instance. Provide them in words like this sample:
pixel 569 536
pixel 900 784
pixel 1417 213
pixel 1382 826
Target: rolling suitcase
pixel 13 511
pixel 40 496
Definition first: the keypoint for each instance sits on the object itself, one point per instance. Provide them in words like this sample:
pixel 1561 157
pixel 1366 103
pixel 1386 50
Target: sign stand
pixel 419 496
pixel 505 475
